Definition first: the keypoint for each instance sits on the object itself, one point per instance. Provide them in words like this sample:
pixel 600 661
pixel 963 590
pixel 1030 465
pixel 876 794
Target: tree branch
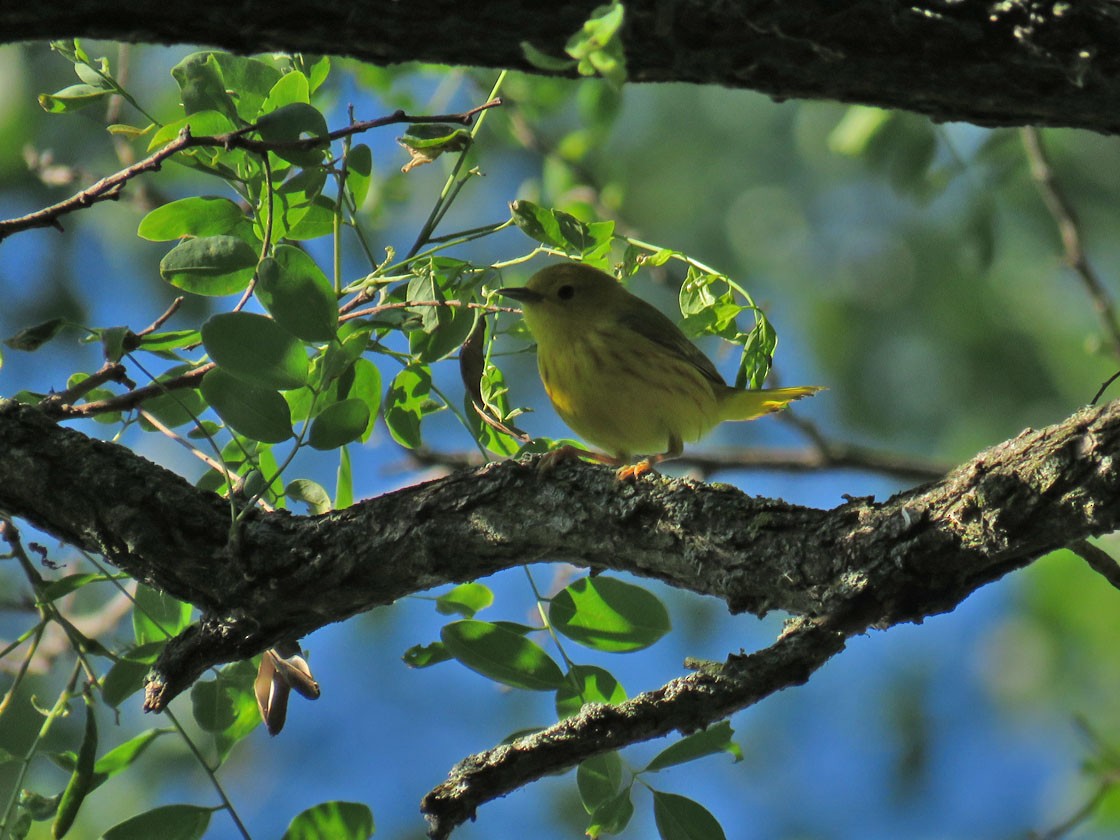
pixel 685 704
pixel 992 63
pixel 284 576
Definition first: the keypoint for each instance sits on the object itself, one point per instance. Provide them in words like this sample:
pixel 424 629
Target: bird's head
pixel 566 295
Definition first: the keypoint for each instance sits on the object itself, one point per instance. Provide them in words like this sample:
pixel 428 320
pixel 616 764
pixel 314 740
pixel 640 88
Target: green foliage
pixel 315 351
pixel 342 820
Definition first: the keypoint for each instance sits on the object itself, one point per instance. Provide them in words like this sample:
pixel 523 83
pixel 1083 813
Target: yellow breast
pixel 625 394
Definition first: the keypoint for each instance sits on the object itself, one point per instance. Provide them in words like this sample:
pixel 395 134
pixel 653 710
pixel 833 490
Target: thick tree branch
pixel 984 61
pixel 284 576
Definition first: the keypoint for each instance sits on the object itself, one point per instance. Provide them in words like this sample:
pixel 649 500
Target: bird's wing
pixel 651 324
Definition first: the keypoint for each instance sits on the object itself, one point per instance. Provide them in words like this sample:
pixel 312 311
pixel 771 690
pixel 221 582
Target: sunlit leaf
pixel 336 820
pixel 501 655
pixel 608 614
pixel 256 350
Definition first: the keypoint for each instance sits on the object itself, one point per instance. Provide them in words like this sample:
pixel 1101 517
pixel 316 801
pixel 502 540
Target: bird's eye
pixel 565 292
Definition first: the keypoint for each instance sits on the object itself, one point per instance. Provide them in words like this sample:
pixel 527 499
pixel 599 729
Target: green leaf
pixel 680 818
pixel 314 495
pixel 501 655
pixel 202 124
pixel 715 739
pixel 339 424
pixel 466 599
pixel 344 483
pixel 404 404
pixel 256 350
pixel 71 583
pixel 555 228
pixel 124 755
pixel 157 616
pixel 317 221
pixel 422 656
pixel 226 707
pixel 32 338
pixel 359 170
pixel 201 86
pixel 587 684
pixel 544 61
pixel 611 816
pixel 168 822
pixel 598 779
pixel 174 408
pixel 200 215
pixel 608 614
pixel 597 46
pixel 290 123
pixel 294 290
pixel 251 78
pixel 856 129
pixel 126 677
pixel 426 142
pixel 290 88
pixel 258 413
pixel 292 202
pixel 336 820
pixel 758 354
pixel 71 98
pixel 210 265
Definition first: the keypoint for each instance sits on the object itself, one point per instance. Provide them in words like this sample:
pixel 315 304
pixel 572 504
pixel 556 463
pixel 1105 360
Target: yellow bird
pixel 622 375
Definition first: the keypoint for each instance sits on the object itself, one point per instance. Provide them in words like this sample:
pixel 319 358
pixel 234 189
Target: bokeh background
pixel 911 268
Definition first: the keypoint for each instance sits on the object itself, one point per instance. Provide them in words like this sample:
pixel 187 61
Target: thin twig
pixel 1099 560
pixel 109 188
pixel 163 319
pixel 1069 231
pixel 129 400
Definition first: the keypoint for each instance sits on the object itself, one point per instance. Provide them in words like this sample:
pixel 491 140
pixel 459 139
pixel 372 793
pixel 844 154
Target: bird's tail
pixel 737 404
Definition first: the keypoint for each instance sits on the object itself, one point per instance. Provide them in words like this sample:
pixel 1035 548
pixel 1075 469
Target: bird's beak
pixel 522 293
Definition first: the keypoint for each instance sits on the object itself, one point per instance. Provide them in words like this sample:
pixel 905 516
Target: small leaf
pixel 544 61
pixel 426 142
pixel 312 494
pixel 680 818
pixel 32 338
pixel 608 614
pixel 611 816
pixel 210 265
pixel 404 404
pixel 359 168
pixel 422 656
pixel 256 350
pixel 338 424
pixel 336 820
pixel 202 124
pixel 157 616
pixel 124 755
pixel 226 707
pixel 257 413
pixel 168 822
pixel 465 600
pixel 294 290
pixel 598 779
pixel 501 655
pixel 200 215
pixel 290 123
pixel 587 684
pixel 71 583
pixel 715 739
pixel 71 98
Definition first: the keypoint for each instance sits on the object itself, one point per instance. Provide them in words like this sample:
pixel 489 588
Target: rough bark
pixel 282 576
pixel 992 62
